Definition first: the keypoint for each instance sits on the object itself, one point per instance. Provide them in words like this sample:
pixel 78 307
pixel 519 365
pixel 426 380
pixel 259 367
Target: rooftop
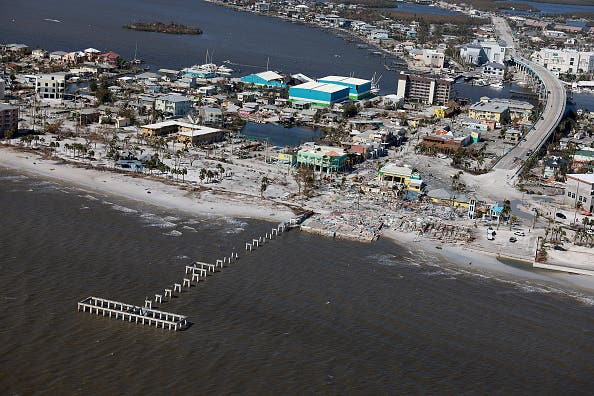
pixel 345 80
pixel 582 177
pixel 269 76
pixel 323 87
pixel 174 98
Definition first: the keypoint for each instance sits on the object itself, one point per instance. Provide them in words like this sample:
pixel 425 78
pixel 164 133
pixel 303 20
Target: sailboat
pixel 136 61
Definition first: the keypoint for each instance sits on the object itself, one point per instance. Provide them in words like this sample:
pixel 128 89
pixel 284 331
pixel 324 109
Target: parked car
pixel 560 248
pixel 560 215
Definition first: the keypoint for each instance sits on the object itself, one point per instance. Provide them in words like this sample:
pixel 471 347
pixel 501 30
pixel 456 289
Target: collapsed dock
pixel 133 313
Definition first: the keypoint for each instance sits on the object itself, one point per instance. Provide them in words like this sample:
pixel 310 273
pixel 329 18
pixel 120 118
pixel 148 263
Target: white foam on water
pixel 173 233
pixel 89 197
pixel 14 177
pixel 123 209
pixel 189 228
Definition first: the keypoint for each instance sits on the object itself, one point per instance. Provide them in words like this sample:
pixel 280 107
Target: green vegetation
pixel 160 27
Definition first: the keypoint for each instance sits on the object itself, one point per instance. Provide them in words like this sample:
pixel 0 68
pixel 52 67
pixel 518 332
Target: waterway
pixel 553 8
pixel 423 9
pixel 248 40
pixel 278 135
pixel 301 315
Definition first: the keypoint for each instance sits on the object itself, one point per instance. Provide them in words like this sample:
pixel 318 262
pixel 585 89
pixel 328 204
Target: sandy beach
pixel 208 202
pixel 229 204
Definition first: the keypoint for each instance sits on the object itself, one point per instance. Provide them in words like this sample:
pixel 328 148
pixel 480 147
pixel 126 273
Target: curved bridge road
pixel 553 111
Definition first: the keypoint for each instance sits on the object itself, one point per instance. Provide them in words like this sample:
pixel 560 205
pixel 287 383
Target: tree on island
pixel 264 186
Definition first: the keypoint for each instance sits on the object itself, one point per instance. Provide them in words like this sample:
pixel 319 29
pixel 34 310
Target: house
pixel 454 198
pixel 322 158
pixel 211 116
pixel 110 58
pixel 39 54
pixel 403 176
pixel 513 135
pixel 553 166
pixel 57 56
pixel 132 165
pixel 246 96
pixel 174 105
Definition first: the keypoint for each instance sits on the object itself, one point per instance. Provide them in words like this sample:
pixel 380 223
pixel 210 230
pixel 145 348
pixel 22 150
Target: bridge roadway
pixel 553 110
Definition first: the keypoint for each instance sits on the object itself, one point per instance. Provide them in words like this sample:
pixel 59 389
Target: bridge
pixel 549 88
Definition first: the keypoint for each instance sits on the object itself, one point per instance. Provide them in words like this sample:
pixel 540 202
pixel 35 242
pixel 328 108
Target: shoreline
pixel 472 262
pixel 230 204
pixel 142 189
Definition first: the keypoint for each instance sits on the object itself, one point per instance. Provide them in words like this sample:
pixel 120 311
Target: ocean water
pixel 301 315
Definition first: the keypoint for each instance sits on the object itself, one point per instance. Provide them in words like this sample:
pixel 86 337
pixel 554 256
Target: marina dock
pixel 133 313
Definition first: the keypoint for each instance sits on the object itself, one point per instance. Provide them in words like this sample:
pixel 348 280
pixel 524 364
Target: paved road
pixel 553 110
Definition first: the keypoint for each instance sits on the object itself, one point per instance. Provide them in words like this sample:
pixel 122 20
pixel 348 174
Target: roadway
pixel 553 110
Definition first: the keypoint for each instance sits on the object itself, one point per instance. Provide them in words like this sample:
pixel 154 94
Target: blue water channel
pixel 277 135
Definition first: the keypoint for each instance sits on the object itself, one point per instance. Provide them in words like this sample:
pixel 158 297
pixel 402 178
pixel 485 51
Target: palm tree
pixel 202 175
pixel 263 186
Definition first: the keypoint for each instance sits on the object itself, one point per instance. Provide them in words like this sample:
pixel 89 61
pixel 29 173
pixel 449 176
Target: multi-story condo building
pixel 50 86
pixel 424 89
pixel 9 119
pixel 565 61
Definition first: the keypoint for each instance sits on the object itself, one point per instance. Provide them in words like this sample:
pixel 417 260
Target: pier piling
pixel 168 293
pixel 148 303
pixel 158 298
pixel 186 282
pixel 177 287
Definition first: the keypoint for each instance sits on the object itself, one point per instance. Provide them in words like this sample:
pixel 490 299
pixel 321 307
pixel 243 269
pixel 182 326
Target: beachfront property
pixel 319 93
pixel 173 105
pixel 424 89
pixel 579 191
pixel 9 119
pixel 186 132
pixel 322 158
pixel 454 198
pixel 2 88
pixel 197 135
pixel 50 86
pixel 404 176
pixel 358 87
pixel 268 79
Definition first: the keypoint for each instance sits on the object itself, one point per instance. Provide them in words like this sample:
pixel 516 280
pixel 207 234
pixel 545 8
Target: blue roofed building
pixel 358 88
pixel 265 79
pixel 319 93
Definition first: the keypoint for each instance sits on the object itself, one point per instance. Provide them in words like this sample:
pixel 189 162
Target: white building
pixel 481 52
pixel 579 190
pixel 433 58
pixel 565 61
pixel 50 86
pixel 174 105
pixel 2 88
pixel 493 70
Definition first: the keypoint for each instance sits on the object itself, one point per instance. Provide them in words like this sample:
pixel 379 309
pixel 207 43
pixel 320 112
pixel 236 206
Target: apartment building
pixel 9 118
pixel 565 60
pixel 50 86
pixel 424 89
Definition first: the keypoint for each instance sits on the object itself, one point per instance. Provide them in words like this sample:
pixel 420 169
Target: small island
pixel 160 27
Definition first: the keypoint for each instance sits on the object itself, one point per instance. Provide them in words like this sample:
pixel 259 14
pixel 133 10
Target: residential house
pixel 174 105
pixel 579 190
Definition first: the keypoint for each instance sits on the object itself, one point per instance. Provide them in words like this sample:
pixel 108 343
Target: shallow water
pixel 302 314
